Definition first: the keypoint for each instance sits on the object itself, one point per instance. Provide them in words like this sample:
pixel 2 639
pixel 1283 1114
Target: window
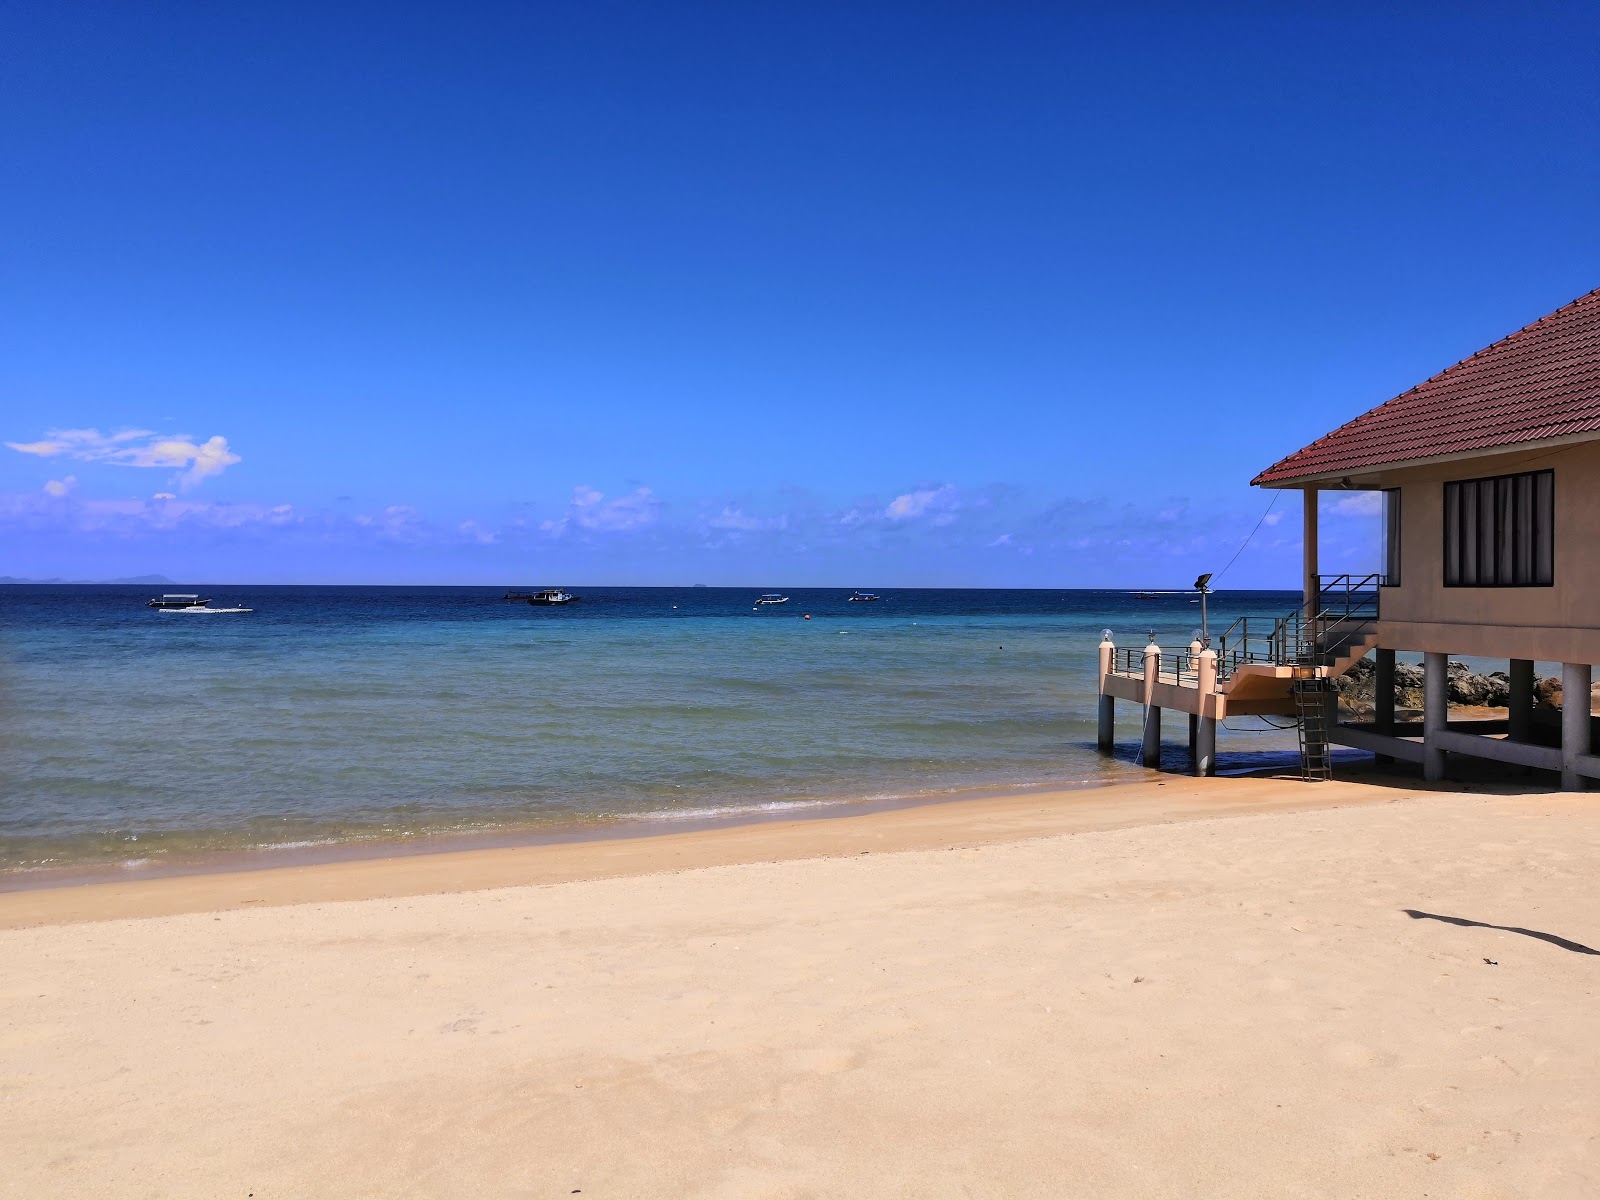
pixel 1500 532
pixel 1391 537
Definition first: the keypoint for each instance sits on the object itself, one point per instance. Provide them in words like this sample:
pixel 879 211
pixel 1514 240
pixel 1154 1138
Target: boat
pixel 545 597
pixel 188 602
pixel 863 596
pixel 1146 595
pixel 177 600
pixel 772 598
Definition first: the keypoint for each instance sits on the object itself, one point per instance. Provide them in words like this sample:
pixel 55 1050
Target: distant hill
pixel 154 580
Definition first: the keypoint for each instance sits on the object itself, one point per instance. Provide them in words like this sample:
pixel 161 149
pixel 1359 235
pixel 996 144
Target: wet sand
pixel 1239 987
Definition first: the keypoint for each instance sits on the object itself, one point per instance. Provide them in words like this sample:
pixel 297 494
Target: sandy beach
pixel 1237 988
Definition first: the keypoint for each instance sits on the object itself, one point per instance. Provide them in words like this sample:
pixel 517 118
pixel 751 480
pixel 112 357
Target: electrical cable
pixel 1251 536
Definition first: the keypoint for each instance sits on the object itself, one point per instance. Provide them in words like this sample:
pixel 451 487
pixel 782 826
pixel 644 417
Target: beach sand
pixel 1192 988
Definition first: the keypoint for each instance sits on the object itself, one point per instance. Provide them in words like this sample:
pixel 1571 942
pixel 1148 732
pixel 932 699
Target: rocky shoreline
pixel 1357 690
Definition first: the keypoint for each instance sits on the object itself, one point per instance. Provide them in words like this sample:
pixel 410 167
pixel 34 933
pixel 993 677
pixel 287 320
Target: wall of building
pixel 1559 623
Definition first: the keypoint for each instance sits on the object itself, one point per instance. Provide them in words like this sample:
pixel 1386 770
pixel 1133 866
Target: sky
pixel 767 294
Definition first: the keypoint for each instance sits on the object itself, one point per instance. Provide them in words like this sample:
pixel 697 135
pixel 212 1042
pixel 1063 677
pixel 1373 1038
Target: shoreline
pixel 564 830
pixel 647 847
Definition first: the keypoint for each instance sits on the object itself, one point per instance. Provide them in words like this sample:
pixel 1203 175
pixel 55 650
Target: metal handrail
pixel 1180 667
pixel 1345 603
pixel 1128 660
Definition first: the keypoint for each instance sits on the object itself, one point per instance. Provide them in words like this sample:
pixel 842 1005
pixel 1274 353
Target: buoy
pixel 808 616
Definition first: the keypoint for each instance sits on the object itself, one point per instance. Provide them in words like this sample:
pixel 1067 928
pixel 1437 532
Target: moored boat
pixel 864 596
pixel 544 598
pixel 771 598
pixel 188 602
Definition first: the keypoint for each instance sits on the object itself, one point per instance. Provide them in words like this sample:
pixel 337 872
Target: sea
pixel 337 721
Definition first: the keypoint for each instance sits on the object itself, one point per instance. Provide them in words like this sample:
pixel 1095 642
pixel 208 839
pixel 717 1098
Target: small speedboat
pixel 862 596
pixel 181 602
pixel 545 598
pixel 772 598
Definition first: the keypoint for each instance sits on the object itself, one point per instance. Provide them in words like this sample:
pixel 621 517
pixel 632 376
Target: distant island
pixel 154 580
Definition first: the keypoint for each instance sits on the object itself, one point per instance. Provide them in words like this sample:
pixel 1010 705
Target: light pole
pixel 1203 586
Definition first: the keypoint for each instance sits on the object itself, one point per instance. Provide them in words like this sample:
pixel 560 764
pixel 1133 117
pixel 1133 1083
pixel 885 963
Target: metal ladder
pixel 1311 692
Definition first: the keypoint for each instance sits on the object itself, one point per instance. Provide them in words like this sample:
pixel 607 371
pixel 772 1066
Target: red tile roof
pixel 1541 382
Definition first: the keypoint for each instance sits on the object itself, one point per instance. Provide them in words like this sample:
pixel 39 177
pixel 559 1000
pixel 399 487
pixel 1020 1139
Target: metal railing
pixel 1128 660
pixel 1181 668
pixel 1346 604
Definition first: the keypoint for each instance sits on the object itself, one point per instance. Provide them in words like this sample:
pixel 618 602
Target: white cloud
pixel 734 518
pixel 60 487
pixel 1003 540
pixel 1272 518
pixel 163 496
pixel 1358 504
pixel 590 510
pixel 194 461
pixel 939 502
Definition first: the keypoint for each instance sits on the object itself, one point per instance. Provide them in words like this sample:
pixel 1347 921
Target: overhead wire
pixel 1251 536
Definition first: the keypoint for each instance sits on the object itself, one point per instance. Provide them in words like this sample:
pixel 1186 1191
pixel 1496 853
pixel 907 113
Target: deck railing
pixel 1181 668
pixel 1345 605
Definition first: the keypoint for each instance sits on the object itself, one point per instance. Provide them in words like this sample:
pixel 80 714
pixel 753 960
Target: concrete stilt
pixel 1575 680
pixel 1108 704
pixel 1383 696
pixel 1521 703
pixel 1151 753
pixel 1205 753
pixel 1435 713
pixel 1203 739
pixel 1152 736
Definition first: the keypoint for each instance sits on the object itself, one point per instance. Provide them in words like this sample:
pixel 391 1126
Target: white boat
pixel 772 598
pixel 861 597
pixel 544 598
pixel 188 602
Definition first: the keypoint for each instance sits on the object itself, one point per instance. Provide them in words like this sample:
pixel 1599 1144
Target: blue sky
pixel 767 294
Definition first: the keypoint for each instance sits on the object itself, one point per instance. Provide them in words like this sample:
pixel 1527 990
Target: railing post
pixel 1152 713
pixel 1108 712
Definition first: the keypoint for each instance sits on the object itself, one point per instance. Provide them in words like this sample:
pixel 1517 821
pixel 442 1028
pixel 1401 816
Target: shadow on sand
pixel 1575 947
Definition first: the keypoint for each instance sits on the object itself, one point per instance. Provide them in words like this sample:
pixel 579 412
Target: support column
pixel 1152 714
pixel 1108 704
pixel 1309 573
pixel 1521 702
pixel 1435 713
pixel 1205 755
pixel 1575 680
pixel 1204 737
pixel 1383 697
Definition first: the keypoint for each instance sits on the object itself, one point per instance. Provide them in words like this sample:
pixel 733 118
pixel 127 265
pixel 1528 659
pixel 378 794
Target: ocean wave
pixel 731 810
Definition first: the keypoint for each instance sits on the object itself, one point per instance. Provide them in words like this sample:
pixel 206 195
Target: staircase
pixel 1306 653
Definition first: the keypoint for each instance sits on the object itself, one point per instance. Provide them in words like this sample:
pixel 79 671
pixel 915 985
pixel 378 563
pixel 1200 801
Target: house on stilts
pixel 1490 478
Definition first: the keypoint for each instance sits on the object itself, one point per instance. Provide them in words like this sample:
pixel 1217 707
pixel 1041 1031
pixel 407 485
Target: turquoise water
pixel 333 715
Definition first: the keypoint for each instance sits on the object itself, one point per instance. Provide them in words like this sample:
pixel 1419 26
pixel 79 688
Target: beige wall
pixel 1559 623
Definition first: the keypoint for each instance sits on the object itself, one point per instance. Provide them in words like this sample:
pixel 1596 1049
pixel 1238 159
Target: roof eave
pixel 1312 479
